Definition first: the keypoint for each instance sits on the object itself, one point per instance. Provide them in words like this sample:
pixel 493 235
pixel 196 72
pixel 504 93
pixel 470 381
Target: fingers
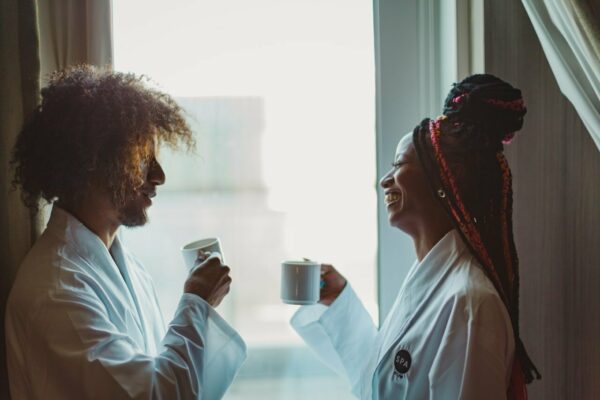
pixel 210 281
pixel 328 274
pixel 212 263
pixel 226 287
pixel 332 283
pixel 326 268
pixel 221 291
pixel 224 280
pixel 204 256
pixel 213 260
pixel 215 278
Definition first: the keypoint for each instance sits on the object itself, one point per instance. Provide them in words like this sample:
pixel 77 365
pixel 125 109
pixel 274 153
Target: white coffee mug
pixel 193 250
pixel 300 282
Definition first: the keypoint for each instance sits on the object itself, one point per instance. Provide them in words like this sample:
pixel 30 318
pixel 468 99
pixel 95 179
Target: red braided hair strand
pixel 481 113
pixel 462 216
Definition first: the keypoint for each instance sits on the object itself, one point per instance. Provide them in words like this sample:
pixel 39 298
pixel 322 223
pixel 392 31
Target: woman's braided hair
pixel 462 155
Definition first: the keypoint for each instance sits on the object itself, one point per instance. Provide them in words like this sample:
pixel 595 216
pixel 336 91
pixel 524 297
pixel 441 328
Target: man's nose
pixel 156 175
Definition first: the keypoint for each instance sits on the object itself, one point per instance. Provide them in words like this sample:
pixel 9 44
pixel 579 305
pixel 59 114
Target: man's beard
pixel 133 214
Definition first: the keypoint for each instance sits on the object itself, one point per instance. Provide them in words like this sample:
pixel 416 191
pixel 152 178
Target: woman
pixel 453 331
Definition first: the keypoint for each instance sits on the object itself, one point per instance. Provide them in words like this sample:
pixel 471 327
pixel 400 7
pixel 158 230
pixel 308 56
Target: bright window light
pixel 280 96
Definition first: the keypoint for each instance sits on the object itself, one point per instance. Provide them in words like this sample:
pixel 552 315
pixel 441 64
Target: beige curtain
pixel 74 32
pixel 70 32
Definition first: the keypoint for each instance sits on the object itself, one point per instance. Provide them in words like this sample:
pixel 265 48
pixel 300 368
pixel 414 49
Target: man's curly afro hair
pixel 93 126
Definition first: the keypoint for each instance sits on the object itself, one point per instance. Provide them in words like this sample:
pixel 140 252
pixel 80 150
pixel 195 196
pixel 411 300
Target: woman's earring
pixel 441 193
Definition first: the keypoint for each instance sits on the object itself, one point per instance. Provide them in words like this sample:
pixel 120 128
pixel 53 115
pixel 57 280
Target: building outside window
pixel 280 97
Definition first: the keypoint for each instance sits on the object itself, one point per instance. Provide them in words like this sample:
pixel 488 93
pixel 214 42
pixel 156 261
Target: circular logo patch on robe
pixel 402 362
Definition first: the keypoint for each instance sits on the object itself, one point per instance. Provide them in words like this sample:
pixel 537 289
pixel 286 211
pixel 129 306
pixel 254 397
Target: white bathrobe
pixel 447 336
pixel 84 323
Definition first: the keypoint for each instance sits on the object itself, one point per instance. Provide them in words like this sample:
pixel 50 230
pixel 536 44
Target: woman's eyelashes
pixel 398 164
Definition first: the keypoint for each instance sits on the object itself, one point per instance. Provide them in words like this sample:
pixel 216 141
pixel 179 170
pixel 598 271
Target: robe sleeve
pixel 89 358
pixel 476 351
pixel 342 335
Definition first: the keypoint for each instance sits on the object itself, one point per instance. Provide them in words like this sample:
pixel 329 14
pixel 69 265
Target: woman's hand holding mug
pixel 332 284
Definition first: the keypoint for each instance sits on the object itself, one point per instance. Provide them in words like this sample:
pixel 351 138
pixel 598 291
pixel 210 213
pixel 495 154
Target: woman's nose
pixel 386 180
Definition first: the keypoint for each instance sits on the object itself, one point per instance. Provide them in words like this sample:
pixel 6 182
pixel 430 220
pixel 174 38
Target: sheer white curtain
pixel 570 37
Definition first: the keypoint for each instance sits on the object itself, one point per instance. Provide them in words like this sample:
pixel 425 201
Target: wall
pixel 556 214
pixel 398 97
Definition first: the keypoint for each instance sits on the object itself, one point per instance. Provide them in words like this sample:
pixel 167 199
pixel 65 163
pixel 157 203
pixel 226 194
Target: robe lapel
pixel 100 264
pixel 122 265
pixel 422 282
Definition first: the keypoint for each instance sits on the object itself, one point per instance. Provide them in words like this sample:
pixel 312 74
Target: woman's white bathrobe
pixel 447 336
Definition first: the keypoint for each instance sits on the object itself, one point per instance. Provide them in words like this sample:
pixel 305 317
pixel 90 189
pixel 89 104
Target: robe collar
pixel 112 263
pixel 426 276
pixel 436 262
pixel 66 226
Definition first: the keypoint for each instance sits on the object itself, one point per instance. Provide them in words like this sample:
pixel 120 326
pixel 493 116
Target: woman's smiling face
pixel 408 197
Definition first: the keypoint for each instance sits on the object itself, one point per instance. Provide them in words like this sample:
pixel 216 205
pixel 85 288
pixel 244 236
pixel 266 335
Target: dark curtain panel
pixel 556 166
pixel 19 94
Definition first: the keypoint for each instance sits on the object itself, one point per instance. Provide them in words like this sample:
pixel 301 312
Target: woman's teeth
pixel 391 198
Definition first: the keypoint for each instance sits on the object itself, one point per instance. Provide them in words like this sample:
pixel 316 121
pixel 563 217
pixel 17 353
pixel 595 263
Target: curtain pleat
pixel 570 36
pixel 74 32
pixel 19 95
pixel 36 38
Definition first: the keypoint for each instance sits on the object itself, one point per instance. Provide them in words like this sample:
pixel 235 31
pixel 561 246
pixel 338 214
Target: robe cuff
pixel 337 333
pixel 224 349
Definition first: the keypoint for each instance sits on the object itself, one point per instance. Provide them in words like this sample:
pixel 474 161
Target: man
pixel 82 318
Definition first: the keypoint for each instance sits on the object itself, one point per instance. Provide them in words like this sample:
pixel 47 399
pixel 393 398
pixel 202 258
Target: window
pixel 280 96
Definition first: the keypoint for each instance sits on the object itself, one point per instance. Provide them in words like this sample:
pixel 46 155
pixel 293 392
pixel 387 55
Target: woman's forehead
pixel 404 145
